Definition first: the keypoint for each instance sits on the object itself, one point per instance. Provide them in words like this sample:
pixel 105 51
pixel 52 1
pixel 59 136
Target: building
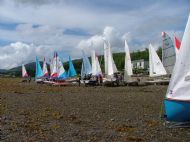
pixel 140 64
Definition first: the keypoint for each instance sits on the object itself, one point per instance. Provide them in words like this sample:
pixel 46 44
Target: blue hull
pixel 177 111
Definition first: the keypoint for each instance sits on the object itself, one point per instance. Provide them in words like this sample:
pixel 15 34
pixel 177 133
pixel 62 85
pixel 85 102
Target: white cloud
pixel 96 42
pixel 17 53
pixel 108 18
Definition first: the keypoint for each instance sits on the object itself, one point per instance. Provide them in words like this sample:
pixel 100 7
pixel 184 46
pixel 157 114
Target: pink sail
pixel 45 71
pixel 24 72
pixel 54 73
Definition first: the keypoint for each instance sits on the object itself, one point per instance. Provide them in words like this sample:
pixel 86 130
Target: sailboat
pixel 54 73
pixel 110 67
pixel 177 101
pixel 96 69
pixel 168 53
pixel 45 70
pixel 156 67
pixel 86 66
pixel 61 71
pixel 128 66
pixel 39 72
pixel 71 71
pixel 24 72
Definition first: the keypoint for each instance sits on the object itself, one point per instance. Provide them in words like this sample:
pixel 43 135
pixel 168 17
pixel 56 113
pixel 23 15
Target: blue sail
pixel 39 72
pixel 87 68
pixel 71 71
pixel 63 76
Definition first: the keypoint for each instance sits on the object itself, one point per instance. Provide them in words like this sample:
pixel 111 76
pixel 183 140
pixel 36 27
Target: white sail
pixel 45 71
pixel 180 81
pixel 111 64
pixel 82 71
pixel 156 67
pixel 61 70
pixel 24 72
pixel 96 70
pixel 168 53
pixel 111 56
pixel 51 65
pixel 93 59
pixel 106 57
pixel 54 73
pixel 128 66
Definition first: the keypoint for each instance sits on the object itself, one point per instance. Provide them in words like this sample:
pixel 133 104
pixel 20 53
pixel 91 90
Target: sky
pixel 30 28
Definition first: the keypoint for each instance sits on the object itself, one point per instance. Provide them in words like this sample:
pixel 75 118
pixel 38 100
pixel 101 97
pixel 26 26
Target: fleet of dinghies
pixel 175 55
pixel 156 66
pixel 58 74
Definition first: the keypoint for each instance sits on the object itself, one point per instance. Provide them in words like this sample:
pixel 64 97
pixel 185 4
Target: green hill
pixel 119 59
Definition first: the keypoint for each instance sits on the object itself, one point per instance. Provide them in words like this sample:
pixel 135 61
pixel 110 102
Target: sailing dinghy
pixel 96 69
pixel 96 73
pixel 62 74
pixel 24 72
pixel 71 73
pixel 45 70
pixel 110 67
pixel 128 72
pixel 86 70
pixel 177 101
pixel 54 68
pixel 156 68
pixel 39 72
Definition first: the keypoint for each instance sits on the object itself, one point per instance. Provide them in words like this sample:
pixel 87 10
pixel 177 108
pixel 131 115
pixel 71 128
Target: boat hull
pixel 177 111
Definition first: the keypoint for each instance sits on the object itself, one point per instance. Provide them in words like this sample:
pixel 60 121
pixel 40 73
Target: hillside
pixel 119 59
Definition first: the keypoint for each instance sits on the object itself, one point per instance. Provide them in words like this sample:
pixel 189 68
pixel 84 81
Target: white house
pixel 140 64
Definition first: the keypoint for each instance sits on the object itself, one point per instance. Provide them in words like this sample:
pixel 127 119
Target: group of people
pixel 95 80
pixel 92 80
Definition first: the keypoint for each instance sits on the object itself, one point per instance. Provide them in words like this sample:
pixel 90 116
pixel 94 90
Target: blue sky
pixel 38 27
